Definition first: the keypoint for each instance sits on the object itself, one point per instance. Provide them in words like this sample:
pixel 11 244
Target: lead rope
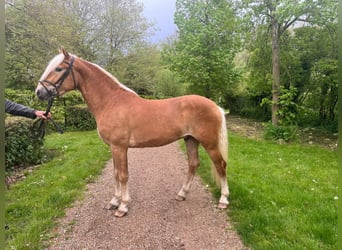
pixel 41 128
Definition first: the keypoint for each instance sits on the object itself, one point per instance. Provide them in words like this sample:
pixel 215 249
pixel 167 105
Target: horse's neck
pixel 98 88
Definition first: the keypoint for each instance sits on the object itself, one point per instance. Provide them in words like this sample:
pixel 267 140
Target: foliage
pixel 79 118
pixel 278 18
pixel 168 84
pixel 325 87
pixel 281 196
pixel 99 31
pixel 59 108
pixel 288 109
pixel 25 97
pixel 280 133
pixel 202 55
pixel 138 68
pixel 307 52
pixel 33 204
pixel 30 42
pixel 22 144
pixel 120 27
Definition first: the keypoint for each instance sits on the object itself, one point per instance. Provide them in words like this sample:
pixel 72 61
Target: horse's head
pixel 58 77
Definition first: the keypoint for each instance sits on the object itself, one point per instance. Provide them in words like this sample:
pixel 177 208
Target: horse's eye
pixel 58 69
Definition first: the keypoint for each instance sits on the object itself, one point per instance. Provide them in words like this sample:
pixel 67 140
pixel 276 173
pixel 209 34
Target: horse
pixel 126 120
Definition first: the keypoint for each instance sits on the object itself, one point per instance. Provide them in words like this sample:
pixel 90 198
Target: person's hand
pixel 41 114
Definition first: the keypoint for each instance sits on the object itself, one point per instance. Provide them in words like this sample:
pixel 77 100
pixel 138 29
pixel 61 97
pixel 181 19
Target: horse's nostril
pixel 40 94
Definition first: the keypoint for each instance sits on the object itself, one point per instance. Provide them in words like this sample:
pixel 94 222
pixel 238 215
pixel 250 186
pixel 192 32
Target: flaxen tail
pixel 223 146
pixel 224 137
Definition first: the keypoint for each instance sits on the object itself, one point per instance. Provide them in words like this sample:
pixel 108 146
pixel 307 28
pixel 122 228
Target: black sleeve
pixel 18 109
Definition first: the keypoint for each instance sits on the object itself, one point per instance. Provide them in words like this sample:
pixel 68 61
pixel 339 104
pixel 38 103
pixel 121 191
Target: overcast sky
pixel 161 13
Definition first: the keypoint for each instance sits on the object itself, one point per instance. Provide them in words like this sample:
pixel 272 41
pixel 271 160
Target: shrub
pixel 78 117
pixel 279 133
pixel 22 144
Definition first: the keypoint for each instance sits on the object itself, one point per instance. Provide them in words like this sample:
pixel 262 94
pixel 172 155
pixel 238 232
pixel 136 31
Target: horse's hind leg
pixel 193 161
pixel 220 167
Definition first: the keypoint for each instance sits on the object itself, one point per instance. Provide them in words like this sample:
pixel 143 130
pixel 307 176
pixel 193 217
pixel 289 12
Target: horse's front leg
pixel 121 181
pixel 115 202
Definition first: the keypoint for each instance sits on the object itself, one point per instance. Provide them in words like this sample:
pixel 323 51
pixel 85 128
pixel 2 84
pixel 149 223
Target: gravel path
pixel 155 219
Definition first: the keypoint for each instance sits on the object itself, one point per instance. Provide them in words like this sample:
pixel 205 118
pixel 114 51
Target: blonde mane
pixel 114 78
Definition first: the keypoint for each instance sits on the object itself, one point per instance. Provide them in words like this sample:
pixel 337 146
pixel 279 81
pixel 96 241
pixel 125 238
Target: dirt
pixel 156 220
pixel 307 136
pixel 244 127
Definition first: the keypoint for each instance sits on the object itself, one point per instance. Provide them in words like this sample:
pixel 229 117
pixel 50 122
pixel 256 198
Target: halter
pixel 52 93
pixel 60 81
pixel 41 127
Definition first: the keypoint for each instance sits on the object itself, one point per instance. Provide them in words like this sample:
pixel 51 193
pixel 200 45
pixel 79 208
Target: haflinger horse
pixel 125 120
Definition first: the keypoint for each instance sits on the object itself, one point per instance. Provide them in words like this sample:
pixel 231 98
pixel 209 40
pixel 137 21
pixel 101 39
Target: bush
pixel 58 110
pixel 280 133
pixel 78 117
pixel 22 144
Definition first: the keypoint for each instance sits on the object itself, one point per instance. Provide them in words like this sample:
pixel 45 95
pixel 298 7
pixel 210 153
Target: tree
pixel 138 68
pixel 33 35
pixel 101 31
pixel 203 53
pixel 119 27
pixel 168 84
pixel 280 15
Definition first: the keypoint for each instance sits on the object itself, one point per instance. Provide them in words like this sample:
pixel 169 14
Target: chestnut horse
pixel 125 120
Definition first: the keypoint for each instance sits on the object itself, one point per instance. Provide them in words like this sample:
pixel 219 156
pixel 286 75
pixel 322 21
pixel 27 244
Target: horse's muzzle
pixel 44 94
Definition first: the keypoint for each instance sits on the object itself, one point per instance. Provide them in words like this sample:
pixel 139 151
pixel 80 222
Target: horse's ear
pixel 63 50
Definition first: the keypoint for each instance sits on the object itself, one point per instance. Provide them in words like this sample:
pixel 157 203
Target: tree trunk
pixel 275 71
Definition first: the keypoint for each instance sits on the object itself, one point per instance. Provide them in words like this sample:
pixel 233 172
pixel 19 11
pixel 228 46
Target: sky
pixel 161 13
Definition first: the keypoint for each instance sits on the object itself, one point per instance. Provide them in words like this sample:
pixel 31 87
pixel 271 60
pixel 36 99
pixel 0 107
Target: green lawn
pixel 281 196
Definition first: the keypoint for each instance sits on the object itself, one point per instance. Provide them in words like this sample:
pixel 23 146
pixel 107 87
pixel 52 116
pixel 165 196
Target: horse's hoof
pixel 222 206
pixel 180 198
pixel 110 206
pixel 119 213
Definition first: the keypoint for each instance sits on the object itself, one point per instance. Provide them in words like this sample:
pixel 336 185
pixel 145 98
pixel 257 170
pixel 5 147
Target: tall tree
pixel 120 27
pixel 33 35
pixel 206 46
pixel 280 15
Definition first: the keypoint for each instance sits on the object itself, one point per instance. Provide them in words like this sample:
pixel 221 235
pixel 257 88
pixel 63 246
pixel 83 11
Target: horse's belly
pixel 150 138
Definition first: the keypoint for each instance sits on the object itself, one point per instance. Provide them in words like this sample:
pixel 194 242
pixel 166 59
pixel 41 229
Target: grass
pixel 32 205
pixel 281 196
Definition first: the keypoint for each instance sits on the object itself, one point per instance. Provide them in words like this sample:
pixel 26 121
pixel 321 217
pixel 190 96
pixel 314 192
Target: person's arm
pixel 18 109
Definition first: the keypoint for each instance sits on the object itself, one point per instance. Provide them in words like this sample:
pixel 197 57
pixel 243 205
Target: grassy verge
pixel 32 205
pixel 281 196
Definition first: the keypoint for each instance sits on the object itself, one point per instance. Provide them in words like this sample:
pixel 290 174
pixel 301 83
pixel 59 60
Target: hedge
pixel 58 110
pixel 78 117
pixel 23 146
